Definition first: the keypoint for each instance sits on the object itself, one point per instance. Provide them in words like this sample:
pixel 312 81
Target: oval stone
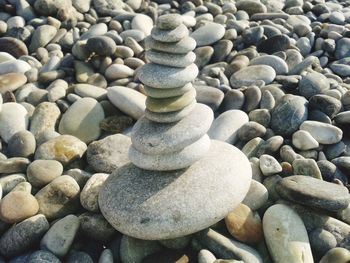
pixel 163 77
pixel 286 236
pixel 313 192
pixel 155 138
pixel 324 133
pixel 172 35
pixel 251 74
pixel 167 93
pixel 171 60
pixel 82 120
pixel 171 161
pixel 136 202
pixel 171 104
pixel 278 64
pixel 208 34
pixel 183 46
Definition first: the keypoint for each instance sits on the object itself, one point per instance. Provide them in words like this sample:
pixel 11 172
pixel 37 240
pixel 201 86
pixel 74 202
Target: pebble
pixel 274 44
pixel 82 120
pixel 322 132
pixel 336 255
pixel 289 113
pixel 42 36
pixel 303 140
pixel 171 60
pixel 269 165
pixel 129 101
pixel 14 118
pixel 185 45
pixel 257 195
pixel 226 126
pixel 22 144
pixel 118 71
pixel 321 241
pixel 169 36
pixel 20 237
pixel 314 192
pixel 144 23
pixel 11 82
pixel 312 84
pixel 89 194
pixel 14 165
pixel 158 76
pixel 58 198
pixel 244 225
pixel 251 74
pixel 200 176
pixel 208 34
pixel 285 235
pixel 108 154
pixel 278 64
pixel 17 206
pixel 61 235
pixel 101 45
pixel 159 138
pixel 306 167
pixel 42 172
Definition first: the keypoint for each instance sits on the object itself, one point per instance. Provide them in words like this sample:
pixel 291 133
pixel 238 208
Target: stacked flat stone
pixel 172 133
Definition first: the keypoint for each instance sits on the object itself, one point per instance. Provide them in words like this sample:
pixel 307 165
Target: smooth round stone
pixel 21 237
pixel 327 104
pixel 14 66
pixel 278 64
pixel 5 56
pixel 336 255
pixel 257 196
pixel 11 81
pixel 205 256
pixel 343 117
pixel 101 45
pixel 167 93
pixel 91 91
pixel 312 84
pixel 151 216
pixel 60 236
pixel 158 138
pixel 96 227
pixel 118 71
pixel 59 198
pixel 171 161
pixel 42 172
pixel 289 113
pixel 251 130
pixel 306 167
pixel 269 165
pixel 13 118
pixel 82 120
pixel 143 23
pixel 42 36
pixel 286 236
pixel 171 104
pixel 251 74
pixel 251 7
pixel 274 44
pixel 169 36
pixel 244 224
pixel 171 60
pixel 136 34
pixel 314 192
pixel 131 102
pixel 169 21
pixel 43 256
pixel 158 76
pixel 89 194
pixel 342 48
pixel 170 117
pixel 13 46
pixel 324 133
pixel 304 141
pixel 209 96
pixel 63 148
pixel 17 206
pixel 22 144
pixel 208 34
pixel 185 45
pixel 108 154
pixel 13 165
pixel 226 126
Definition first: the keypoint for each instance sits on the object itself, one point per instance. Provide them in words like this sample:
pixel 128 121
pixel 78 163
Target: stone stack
pixel 179 181
pixel 172 133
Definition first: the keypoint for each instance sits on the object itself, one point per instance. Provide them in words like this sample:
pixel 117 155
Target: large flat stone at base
pixel 155 205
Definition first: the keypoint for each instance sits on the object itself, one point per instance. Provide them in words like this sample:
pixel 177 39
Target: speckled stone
pixel 150 215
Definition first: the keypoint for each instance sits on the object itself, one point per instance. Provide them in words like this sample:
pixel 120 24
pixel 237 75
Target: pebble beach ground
pixel 118 121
